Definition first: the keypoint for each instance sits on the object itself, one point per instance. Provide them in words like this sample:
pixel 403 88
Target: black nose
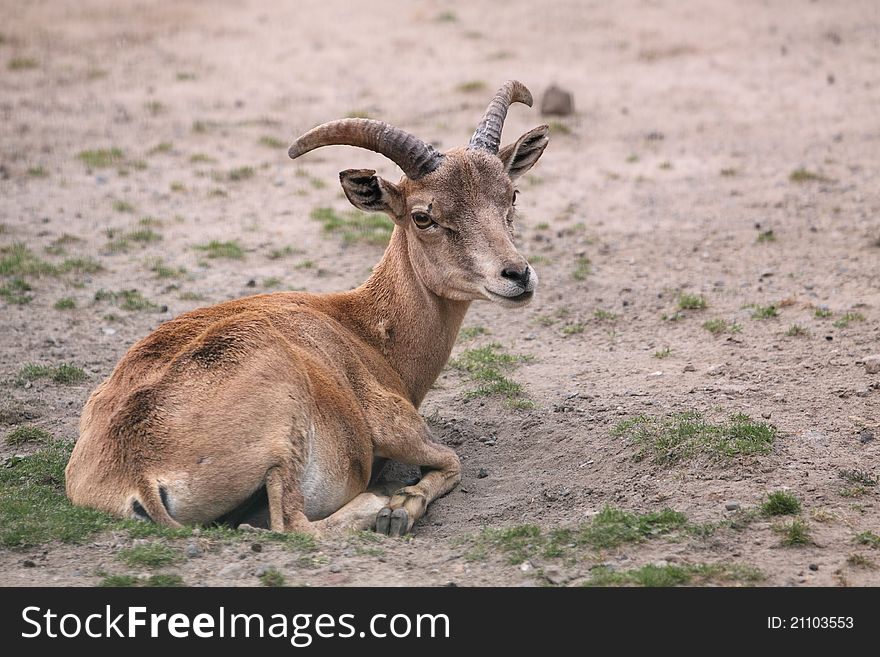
pixel 517 275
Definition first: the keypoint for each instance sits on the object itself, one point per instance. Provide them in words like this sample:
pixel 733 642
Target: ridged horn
pixel 407 151
pixel 487 136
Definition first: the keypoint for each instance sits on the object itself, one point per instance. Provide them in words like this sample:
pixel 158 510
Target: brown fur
pixel 301 393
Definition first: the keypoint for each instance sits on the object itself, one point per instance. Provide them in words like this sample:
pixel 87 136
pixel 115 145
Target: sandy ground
pixel 690 118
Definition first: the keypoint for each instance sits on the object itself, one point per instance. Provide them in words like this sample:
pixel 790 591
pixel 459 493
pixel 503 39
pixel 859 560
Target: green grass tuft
pixel 802 175
pixel 271 142
pixel 126 299
pixel 796 331
pixel 65 374
pixel 486 366
pixel 151 555
pixel 684 436
pixel 691 302
pixel 471 332
pixel 354 225
pixel 780 503
pixel 216 249
pixel 65 303
pixel 675 575
pixel 719 326
pixel 241 173
pixel 582 268
pixel 101 158
pixel 847 318
pixel 272 578
pixel 28 435
pixel 764 312
pixel 33 507
pixel 16 292
pixel 868 538
pixel 794 533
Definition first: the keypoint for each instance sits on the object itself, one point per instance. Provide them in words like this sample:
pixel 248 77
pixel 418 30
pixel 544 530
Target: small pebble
pixel 766 415
pixel 256 547
pixel 866 436
pixel 731 506
pixel 192 550
pixel 814 566
pixel 335 568
pixel 872 364
pixel 483 473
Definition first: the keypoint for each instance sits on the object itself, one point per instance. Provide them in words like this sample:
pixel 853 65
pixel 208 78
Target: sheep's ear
pixel 370 193
pixel 521 156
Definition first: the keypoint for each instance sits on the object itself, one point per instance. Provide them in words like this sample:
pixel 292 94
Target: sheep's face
pixel 459 220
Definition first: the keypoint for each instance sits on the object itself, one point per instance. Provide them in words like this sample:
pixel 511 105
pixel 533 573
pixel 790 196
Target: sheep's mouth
pixel 513 300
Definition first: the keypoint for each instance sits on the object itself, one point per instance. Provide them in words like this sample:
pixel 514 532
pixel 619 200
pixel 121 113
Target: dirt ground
pixel 691 119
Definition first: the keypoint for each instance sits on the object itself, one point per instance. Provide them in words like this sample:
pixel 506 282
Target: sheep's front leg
pixel 441 472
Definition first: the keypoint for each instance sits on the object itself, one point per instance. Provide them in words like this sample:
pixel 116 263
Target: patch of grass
pixel 57 247
pixel 18 260
pixel 858 477
pixel 191 296
pixel 780 503
pixel 305 264
pixel 162 270
pixel 154 107
pixel 470 86
pixel 177 187
pixel 823 313
pixel 847 318
pixel 670 440
pixel 610 528
pixel 37 172
pixel 271 142
pixel 157 580
pixel 33 506
pixel 283 252
pixel 764 312
pixel 101 158
pixel 604 315
pixel 573 329
pixel 446 17
pixel 16 291
pixel 766 236
pixel 868 538
pixel 241 173
pixel 354 225
pixel 65 374
pixel 272 577
pixel 691 302
pixel 143 235
pixel 675 575
pixel 126 299
pixel 28 435
pixel 582 268
pixel 471 332
pixel 150 555
pixel 272 281
pixel 358 114
pixel 22 64
pixel 860 561
pixel 216 249
pixel 613 527
pixel 197 158
pixel 663 353
pixel 632 159
pixel 802 175
pixel 794 533
pixel 854 491
pixel 85 265
pixel 65 303
pixel 185 76
pixel 797 331
pixel 728 172
pixel 666 165
pixel 719 326
pixel 486 366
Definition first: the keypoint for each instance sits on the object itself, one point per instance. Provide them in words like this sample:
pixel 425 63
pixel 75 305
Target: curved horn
pixel 487 136
pixel 410 153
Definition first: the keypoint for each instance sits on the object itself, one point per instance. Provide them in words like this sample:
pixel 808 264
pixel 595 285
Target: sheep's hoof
pixel 392 523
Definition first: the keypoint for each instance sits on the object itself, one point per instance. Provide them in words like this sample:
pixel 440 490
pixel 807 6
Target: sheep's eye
pixel 422 220
pixel 515 194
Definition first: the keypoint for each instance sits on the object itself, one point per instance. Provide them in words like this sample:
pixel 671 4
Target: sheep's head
pixel 457 207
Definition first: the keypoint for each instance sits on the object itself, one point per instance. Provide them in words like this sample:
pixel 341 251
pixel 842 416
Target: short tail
pixel 153 504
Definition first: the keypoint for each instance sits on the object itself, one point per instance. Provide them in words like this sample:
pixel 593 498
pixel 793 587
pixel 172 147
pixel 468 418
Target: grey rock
pixel 192 550
pixel 482 473
pixel 731 506
pixel 814 566
pixel 872 364
pixel 232 570
pixel 557 101
pixel 335 568
pixel 866 436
